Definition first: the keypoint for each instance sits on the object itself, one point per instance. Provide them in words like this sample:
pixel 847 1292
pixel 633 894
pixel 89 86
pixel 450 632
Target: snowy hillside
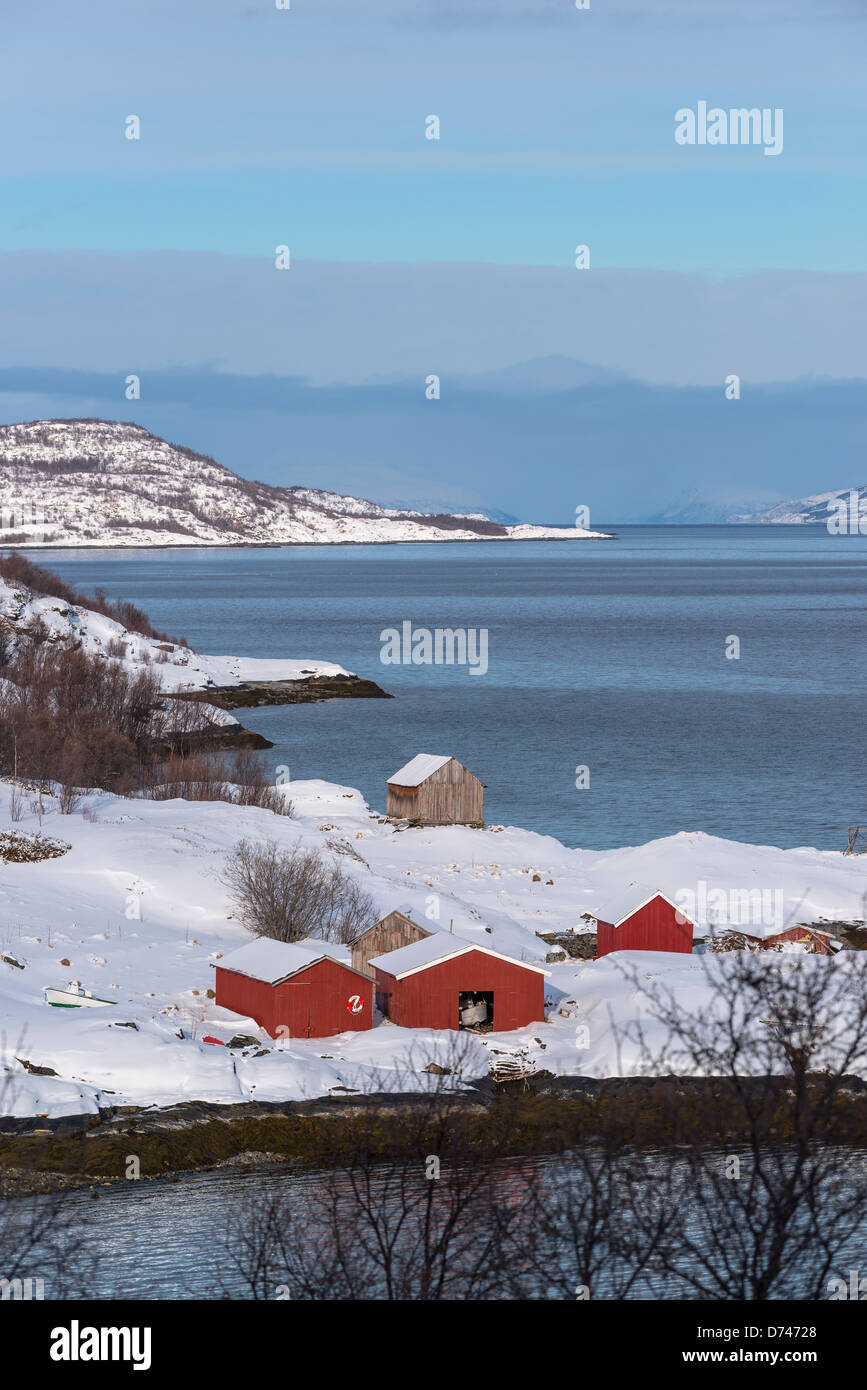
pixel 134 910
pixel 102 482
pixel 806 510
pixel 177 666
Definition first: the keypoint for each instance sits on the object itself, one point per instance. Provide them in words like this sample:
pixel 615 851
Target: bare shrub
pixel 19 570
pixel 69 796
pixel 781 1042
pixel 415 1210
pixel 291 894
pixel 206 776
pixel 45 1242
pixel 16 847
pixel 70 716
pixel 735 1173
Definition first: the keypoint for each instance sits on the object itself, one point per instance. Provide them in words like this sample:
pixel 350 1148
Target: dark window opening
pixel 476 1011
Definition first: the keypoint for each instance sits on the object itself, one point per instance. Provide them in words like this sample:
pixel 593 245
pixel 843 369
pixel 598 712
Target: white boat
pixel 472 1014
pixel 73 997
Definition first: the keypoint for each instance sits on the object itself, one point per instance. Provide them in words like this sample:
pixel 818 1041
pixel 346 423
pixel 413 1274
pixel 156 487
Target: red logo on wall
pixel 355 1003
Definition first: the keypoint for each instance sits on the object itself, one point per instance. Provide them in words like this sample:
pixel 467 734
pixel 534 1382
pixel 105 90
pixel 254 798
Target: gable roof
pixel 760 932
pixel 395 912
pixel 439 946
pixel 419 769
pixel 634 896
pixel 272 962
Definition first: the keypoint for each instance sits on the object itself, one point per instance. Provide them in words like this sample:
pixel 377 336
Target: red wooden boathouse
pixel 297 990
pixel 808 939
pixel 642 919
pixel 437 982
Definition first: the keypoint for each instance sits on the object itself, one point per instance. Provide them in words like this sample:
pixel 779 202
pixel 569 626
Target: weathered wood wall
pixel 450 796
pixel 389 934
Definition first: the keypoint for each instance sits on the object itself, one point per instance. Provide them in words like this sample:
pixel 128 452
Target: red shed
pixel 297 990
pixel 642 919
pixel 799 938
pixel 446 982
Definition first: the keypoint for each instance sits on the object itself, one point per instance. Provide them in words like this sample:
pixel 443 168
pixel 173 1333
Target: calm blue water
pixel 174 1240
pixel 604 654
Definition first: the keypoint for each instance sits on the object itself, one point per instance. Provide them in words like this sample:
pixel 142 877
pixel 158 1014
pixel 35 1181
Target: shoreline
pixel 253 694
pixel 283 545
pixel 258 695
pixel 40 1155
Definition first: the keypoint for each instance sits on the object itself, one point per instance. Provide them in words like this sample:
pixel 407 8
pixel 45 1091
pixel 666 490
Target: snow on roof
pixel 418 769
pixel 760 931
pixel 273 961
pixel 325 948
pixel 440 945
pixel 616 910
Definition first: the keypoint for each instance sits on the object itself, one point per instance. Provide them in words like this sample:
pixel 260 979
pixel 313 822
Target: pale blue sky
pixel 306 127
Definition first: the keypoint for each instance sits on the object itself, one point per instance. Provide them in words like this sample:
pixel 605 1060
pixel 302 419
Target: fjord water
pixel 609 655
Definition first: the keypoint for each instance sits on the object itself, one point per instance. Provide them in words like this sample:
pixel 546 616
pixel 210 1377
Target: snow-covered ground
pixel 177 667
pixel 135 911
pixel 106 482
pixel 820 507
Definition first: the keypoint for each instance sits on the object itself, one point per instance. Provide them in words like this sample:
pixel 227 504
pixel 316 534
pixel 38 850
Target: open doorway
pixel 476 1010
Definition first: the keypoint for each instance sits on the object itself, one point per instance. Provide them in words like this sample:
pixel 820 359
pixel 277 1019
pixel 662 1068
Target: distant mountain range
pixel 701 508
pixel 103 482
pixel 535 439
pixel 807 510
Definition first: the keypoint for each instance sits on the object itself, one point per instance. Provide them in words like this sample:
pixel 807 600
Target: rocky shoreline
pixel 257 694
pixel 42 1155
pixel 251 694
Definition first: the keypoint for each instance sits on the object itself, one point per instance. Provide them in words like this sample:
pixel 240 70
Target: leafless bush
pixel 782 1042
pixel 435 1221
pixel 44 1240
pixel 295 893
pixel 16 847
pixel 207 776
pixel 69 798
pixel 758 1191
pixel 18 569
pixel 68 716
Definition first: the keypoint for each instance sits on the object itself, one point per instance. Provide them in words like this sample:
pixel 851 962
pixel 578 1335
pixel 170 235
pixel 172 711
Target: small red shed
pixel 642 919
pixel 295 990
pixel 799 938
pixel 446 982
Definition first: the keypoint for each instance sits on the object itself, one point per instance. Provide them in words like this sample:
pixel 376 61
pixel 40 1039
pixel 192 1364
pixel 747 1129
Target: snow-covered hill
pixel 845 503
pixel 136 912
pixel 178 667
pixel 104 482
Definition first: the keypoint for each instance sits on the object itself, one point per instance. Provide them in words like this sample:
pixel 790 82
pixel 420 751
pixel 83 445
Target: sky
pixel 305 127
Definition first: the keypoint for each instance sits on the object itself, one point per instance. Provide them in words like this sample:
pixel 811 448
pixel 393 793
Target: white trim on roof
pixel 273 962
pixel 438 947
pixel 628 904
pixel 419 769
